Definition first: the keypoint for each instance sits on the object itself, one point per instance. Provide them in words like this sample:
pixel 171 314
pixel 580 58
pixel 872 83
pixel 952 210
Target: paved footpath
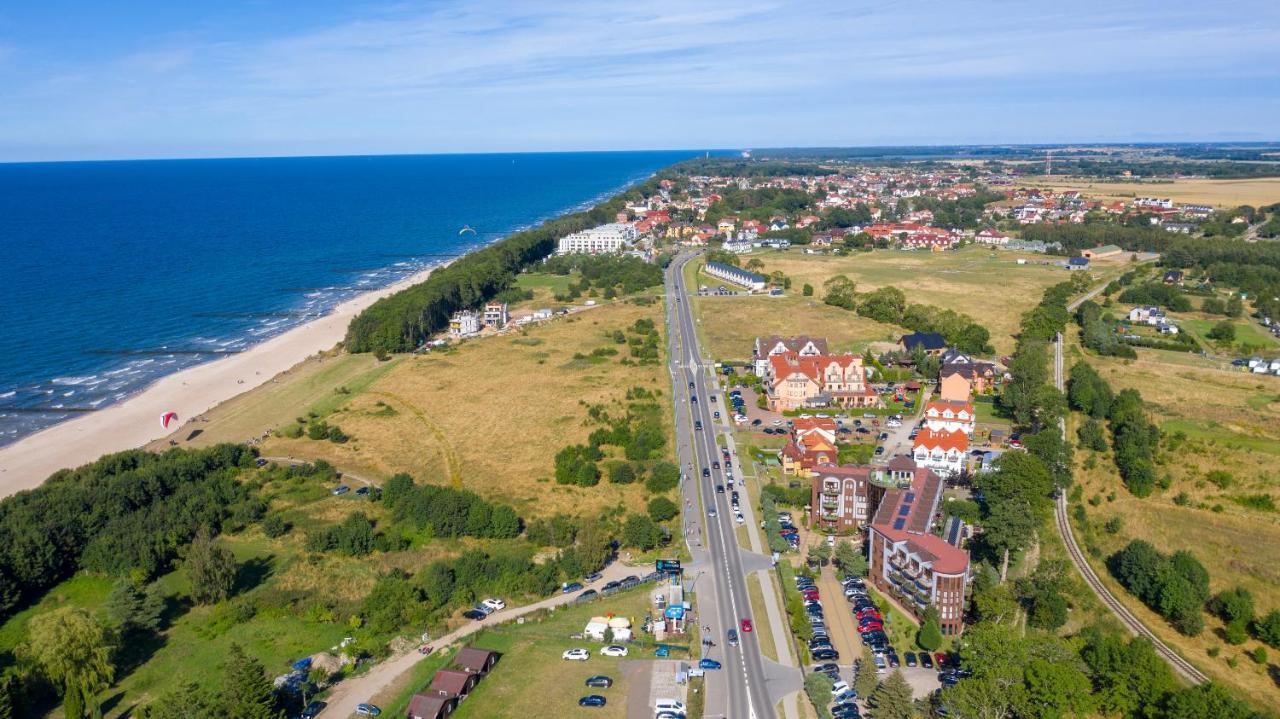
pixel 363 687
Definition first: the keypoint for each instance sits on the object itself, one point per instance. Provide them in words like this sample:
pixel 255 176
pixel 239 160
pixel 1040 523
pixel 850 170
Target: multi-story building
pixel 605 239
pixel 844 498
pixel 464 323
pixel 801 345
pixel 495 315
pixel 909 562
pixel 949 416
pixel 736 275
pixel 792 382
pixel 940 451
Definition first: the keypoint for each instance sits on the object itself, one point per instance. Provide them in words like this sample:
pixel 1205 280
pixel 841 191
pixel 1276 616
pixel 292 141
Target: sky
pixel 84 79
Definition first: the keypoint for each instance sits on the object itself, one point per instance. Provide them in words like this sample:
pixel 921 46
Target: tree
pixel 1267 628
pixel 663 477
pixel 71 649
pixel 1234 307
pixel 661 509
pixel 130 607
pixel 248 693
pixel 929 637
pixel 839 292
pixel 866 681
pixel 593 545
pixel 819 553
pixel 187 701
pixel 807 290
pixel 1235 608
pixel 1054 690
pixel 1223 332
pixel 1128 676
pixel 210 569
pixel 850 559
pixel 1207 700
pixel 641 532
pixel 621 473
pixel 892 699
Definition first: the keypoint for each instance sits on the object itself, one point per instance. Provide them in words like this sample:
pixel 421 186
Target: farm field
pixel 441 417
pixel 1212 421
pixel 960 280
pixel 1219 193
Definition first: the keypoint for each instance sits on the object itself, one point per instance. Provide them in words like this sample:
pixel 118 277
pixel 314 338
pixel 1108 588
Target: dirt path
pixel 452 465
pixel 361 688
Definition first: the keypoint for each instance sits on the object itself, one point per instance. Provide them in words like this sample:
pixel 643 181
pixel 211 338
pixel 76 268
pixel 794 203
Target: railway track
pixel 1184 668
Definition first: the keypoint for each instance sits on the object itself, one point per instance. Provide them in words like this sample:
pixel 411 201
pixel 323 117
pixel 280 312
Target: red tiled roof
pixel 931 440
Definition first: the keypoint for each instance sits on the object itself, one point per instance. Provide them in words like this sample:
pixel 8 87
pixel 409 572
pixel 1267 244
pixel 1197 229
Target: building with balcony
pixel 464 324
pixel 911 563
pixel 793 381
pixel 801 345
pixel 949 416
pixel 940 451
pixel 605 239
pixel 844 498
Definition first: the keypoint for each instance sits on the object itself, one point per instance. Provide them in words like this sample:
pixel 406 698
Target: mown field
pixel 987 285
pixel 1211 420
pixel 1219 193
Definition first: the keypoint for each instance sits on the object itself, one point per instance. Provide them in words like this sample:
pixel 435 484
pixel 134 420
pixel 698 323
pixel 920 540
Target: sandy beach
pixel 136 421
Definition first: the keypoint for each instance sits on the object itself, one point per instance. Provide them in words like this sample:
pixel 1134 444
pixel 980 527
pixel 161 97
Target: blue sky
pixel 90 80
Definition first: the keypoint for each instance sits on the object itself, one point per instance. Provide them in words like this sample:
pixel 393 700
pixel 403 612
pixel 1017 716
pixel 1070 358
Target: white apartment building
pixel 605 239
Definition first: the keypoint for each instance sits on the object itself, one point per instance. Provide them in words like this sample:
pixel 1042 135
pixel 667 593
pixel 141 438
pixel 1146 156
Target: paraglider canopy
pixel 465 229
pixel 168 420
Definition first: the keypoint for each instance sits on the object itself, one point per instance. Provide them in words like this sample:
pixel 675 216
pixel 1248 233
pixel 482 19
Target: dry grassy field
pixel 1212 419
pixel 1219 193
pixel 986 285
pixel 490 415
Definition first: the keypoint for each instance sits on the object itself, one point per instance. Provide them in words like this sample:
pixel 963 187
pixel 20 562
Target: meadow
pixel 1218 193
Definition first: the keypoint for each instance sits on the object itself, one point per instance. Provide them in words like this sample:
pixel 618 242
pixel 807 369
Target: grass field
pixel 450 417
pixel 1211 420
pixel 1250 337
pixel 960 280
pixel 1220 193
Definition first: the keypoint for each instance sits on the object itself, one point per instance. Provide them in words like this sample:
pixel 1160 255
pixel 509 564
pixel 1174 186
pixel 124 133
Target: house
pixel 464 324
pixel 1166 328
pixel 941 452
pixel 476 661
pixel 954 387
pixel 931 343
pixel 1182 228
pixel 1147 315
pixel 739 247
pixel 453 683
pixel 792 382
pixel 1101 252
pixel 428 706
pixel 496 315
pixel 1078 263
pixel 802 454
pixel 980 376
pixel 735 275
pixel 1173 277
pixel 823 427
pixel 844 498
pixel 950 416
pixel 802 345
pixel 909 562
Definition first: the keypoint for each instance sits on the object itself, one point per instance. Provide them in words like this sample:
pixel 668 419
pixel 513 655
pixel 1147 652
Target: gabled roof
pixel 941 407
pixel 792 344
pixel 786 364
pixel 945 441
pixel 906 515
pixel 451 681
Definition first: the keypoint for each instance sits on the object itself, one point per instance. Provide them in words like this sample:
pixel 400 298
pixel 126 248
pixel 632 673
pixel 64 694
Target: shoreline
pixel 135 422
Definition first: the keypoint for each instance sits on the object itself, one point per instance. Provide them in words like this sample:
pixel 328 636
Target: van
pixel 668 705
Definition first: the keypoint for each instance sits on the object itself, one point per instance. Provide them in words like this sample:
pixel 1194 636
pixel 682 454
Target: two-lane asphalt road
pixel 739 690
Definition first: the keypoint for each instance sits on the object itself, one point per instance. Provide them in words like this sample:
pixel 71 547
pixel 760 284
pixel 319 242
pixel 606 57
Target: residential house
pixel 1147 315
pixel 950 416
pixel 844 498
pixel 1078 263
pixel 736 275
pixel 979 375
pixel 941 452
pixel 1173 277
pixel 931 343
pixel 954 386
pixel 464 324
pixel 991 236
pixel 801 455
pixel 911 563
pixel 824 427
pixel 739 247
pixel 792 382
pixel 802 345
pixel 496 315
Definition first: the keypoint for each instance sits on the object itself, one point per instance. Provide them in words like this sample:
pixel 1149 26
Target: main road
pixel 739 690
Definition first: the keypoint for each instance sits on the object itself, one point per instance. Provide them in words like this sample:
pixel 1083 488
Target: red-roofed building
pixel 801 455
pixel 908 561
pixel 845 498
pixel 949 416
pixel 991 236
pixel 824 427
pixel 793 381
pixel 941 452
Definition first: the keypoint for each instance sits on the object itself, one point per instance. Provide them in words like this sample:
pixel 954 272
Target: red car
pixel 941 659
pixel 811 594
pixel 867 613
pixel 746 625
pixel 870 627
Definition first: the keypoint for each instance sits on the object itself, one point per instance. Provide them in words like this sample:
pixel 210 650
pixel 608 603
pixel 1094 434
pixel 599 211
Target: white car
pixel 496 605
pixel 739 518
pixel 740 418
pixel 840 687
pixel 576 655
pixel 777 423
pixel 831 540
pixel 613 650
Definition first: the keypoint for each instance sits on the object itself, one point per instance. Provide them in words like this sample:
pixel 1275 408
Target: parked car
pixel 362 491
pixel 474 614
pixel 496 605
pixel 826 655
pixel 576 655
pixel 926 661
pixel 826 668
pixel 910 658
pixel 599 681
pixel 589 594
pixel 368 710
pixel 312 710
pixel 613 650
pixel 571 587
pixel 592 700
pixel 593 577
pixel 705 663
pixel 340 490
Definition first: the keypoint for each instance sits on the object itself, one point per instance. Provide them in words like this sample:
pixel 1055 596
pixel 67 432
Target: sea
pixel 113 274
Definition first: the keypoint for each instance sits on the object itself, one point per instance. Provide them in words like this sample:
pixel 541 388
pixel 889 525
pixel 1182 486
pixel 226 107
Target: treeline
pixel 127 512
pixel 611 274
pixel 403 321
pixel 1076 237
pixel 1175 586
pixel 1134 437
pixel 758 204
pixel 889 305
pixel 447 512
pixel 965 212
pixel 1098 333
pixel 1252 267
pixel 1158 294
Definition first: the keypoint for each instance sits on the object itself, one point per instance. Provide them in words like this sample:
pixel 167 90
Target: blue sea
pixel 116 273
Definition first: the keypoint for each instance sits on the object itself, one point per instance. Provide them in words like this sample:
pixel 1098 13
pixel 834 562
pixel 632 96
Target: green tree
pixel 1235 608
pixel 621 473
pixel 1223 332
pixel 892 699
pixel 929 637
pixel 850 559
pixel 210 569
pixel 1207 700
pixel 248 693
pixel 1267 628
pixel 641 532
pixel 71 649
pixel 130 607
pixel 663 477
pixel 819 553
pixel 807 290
pixel 1235 307
pixel 866 681
pixel 817 687
pixel 1055 690
pixel 186 701
pixel 593 545
pixel 839 292
pixel 1130 679
pixel 661 509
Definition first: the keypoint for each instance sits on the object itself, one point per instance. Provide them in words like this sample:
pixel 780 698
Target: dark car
pixel 879 451
pixel 611 587
pixel 715 465
pixel 571 587
pixel 261 462
pixel 756 422
pixel 893 659
pixel 826 655
pixel 826 668
pixel 926 661
pixel 362 491
pixel 697 424
pixel 719 489
pixel 592 700
pixel 910 658
pixel 474 614
pixel 691 386
pixel 586 595
pixel 733 637
pixel 706 472
pixel 599 681
pixel 313 710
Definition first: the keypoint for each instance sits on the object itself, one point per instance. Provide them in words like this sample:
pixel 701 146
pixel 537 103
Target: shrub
pixel 273 525
pixel 661 509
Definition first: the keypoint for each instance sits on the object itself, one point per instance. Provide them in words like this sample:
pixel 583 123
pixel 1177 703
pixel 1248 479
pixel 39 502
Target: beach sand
pixel 190 392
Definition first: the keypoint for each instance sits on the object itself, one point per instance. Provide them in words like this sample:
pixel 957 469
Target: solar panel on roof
pixel 899 523
pixel 904 510
pixel 911 497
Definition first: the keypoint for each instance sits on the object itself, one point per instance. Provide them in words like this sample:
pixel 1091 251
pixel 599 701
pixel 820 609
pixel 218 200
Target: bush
pixel 273 525
pixel 661 509
pixel 663 477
